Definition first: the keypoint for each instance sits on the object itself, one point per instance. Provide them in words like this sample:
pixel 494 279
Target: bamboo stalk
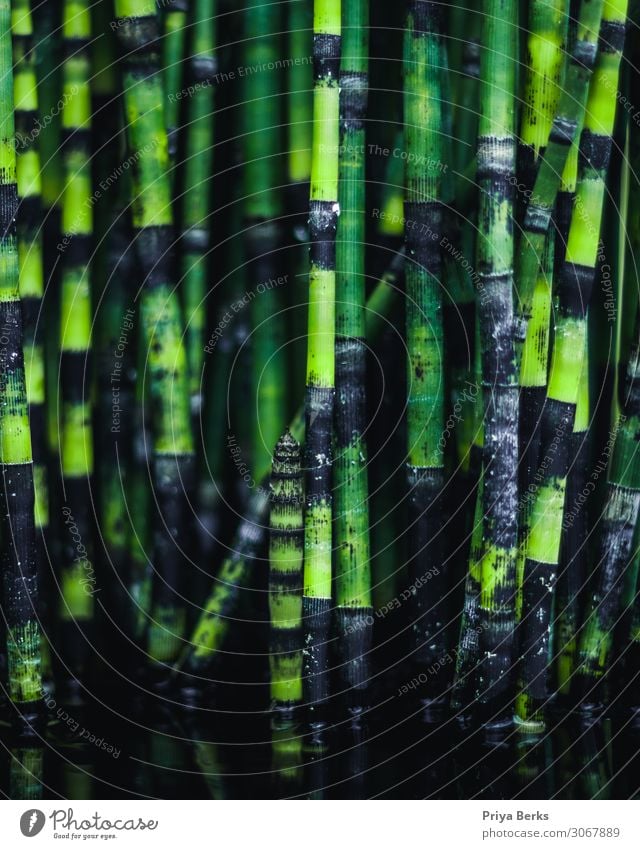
pixel 77 574
pixel 263 208
pixel 174 15
pixel 424 331
pixel 319 396
pixel 566 124
pixel 18 558
pixel 575 285
pixel 160 319
pixel 351 492
pixel 494 266
pixel 195 239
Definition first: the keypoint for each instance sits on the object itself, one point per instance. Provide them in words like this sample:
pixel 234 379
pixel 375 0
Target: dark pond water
pixel 137 747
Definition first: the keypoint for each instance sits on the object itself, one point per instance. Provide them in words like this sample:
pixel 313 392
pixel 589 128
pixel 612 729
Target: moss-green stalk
pixel 424 330
pixel 195 201
pixel 351 491
pixel 263 207
pixel 174 15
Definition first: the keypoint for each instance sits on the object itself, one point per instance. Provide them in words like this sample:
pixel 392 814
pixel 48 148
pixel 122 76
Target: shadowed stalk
pixel 18 560
pixel 47 24
pixel 615 555
pixel 77 575
pixel 299 129
pixel 195 202
pixel 263 207
pixel 573 553
pixel 164 356
pixel 174 15
pixel 574 288
pixel 351 492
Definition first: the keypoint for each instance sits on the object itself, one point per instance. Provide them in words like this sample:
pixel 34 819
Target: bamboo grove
pixel 320 362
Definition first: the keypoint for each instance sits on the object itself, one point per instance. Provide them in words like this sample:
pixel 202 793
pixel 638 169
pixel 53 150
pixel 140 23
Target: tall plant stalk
pixel 564 129
pixel 494 266
pixel 161 325
pixel 351 491
pixel 78 578
pixel 424 330
pixel 18 559
pixel 575 286
pixel 319 396
pixel 263 205
pixel 285 593
pixel 195 202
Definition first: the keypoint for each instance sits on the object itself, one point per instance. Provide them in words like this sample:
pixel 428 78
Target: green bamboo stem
pixel 195 201
pixel 18 560
pixel 174 15
pixel 468 648
pixel 351 491
pixel 546 46
pixel 575 284
pixel 77 573
pixel 494 266
pixel 615 555
pixel 263 208
pixel 211 630
pixel 285 580
pixel 160 320
pixel 31 261
pixel 113 338
pixel 534 367
pixel 424 329
pixel 319 396
pixel 47 23
pixel 299 130
pixel 566 124
pixel 573 566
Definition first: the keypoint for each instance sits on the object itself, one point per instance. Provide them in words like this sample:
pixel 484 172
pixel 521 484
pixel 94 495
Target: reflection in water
pixel 208 754
pixel 25 772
